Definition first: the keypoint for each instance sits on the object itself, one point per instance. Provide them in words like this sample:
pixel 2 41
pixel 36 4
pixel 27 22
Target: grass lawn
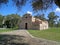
pixel 50 34
pixel 6 30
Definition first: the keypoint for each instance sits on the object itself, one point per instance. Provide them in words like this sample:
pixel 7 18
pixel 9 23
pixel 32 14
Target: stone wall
pixel 26 19
pixel 32 23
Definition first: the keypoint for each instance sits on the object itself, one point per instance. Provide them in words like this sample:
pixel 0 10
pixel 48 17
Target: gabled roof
pixel 40 21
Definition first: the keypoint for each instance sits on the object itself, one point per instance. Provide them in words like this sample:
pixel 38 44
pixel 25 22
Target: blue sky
pixel 10 9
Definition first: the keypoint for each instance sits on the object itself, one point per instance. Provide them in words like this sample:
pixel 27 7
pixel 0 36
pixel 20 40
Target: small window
pixel 26 17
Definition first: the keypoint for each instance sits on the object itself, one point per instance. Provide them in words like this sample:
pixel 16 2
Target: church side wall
pixel 43 26
pixel 35 26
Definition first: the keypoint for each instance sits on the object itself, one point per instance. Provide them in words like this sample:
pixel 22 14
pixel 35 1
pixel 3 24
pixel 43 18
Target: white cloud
pixel 57 10
pixel 29 12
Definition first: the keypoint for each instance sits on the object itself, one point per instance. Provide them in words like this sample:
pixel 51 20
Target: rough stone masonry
pixel 30 22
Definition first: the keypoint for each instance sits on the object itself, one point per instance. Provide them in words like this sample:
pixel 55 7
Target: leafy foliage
pixel 58 23
pixel 17 3
pixel 12 20
pixel 44 4
pixel 42 17
pixel 3 2
pixel 1 20
pixel 36 4
pixel 41 4
pixel 57 2
pixel 51 18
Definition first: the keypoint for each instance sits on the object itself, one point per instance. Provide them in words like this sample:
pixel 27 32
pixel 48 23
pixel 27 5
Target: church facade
pixel 30 22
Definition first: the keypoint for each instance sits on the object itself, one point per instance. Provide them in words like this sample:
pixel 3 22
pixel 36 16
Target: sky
pixel 11 9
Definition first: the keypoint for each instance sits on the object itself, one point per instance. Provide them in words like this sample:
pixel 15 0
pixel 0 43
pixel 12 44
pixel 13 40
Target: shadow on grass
pixel 12 40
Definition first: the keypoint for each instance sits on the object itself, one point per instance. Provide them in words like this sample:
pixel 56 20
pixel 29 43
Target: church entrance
pixel 26 26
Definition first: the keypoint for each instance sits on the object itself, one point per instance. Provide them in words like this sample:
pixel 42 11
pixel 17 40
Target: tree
pixel 36 4
pixel 52 18
pixel 7 23
pixel 17 3
pixel 58 23
pixel 12 20
pixel 1 20
pixel 44 4
pixel 42 17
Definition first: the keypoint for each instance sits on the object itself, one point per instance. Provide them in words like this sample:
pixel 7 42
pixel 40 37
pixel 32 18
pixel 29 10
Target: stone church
pixel 30 22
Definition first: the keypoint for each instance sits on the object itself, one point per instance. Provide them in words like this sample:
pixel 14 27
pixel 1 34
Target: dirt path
pixel 21 37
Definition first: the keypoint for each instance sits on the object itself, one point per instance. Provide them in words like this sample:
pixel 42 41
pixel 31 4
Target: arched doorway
pixel 26 26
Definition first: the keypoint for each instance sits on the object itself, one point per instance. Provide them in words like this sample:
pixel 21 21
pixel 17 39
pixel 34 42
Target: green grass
pixel 50 34
pixel 6 30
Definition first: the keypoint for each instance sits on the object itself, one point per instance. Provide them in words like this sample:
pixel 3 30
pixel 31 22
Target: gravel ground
pixel 21 37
